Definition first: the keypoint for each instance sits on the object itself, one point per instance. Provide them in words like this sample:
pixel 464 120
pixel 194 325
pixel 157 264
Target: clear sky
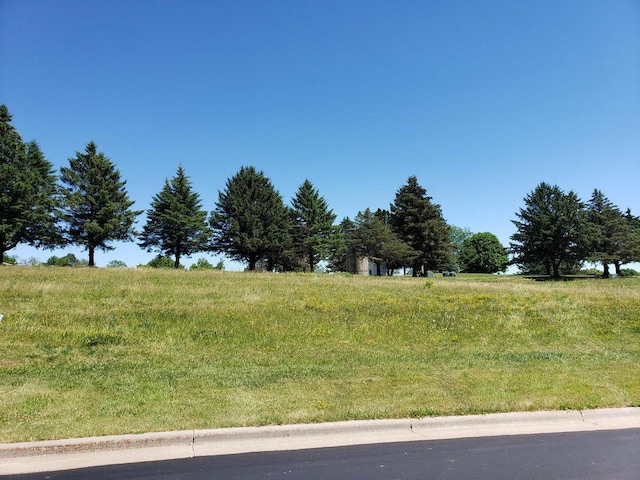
pixel 481 101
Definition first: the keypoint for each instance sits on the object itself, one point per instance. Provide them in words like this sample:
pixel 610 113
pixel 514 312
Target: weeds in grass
pixel 106 351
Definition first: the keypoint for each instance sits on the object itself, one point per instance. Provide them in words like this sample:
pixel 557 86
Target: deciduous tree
pixel 457 236
pixel 483 253
pixel 161 262
pixel 116 264
pixel 69 260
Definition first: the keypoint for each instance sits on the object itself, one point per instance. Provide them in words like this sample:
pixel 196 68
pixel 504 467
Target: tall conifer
pixel 250 222
pixel 608 227
pixel 28 192
pixel 552 231
pixel 176 223
pixel 313 224
pixel 96 207
pixel 628 241
pixel 420 224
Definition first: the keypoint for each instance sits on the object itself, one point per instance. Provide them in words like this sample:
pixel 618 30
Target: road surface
pixel 598 455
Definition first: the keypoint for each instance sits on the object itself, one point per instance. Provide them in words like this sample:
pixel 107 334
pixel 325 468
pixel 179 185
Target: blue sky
pixel 481 101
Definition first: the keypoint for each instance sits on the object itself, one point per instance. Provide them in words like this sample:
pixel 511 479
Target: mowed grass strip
pixel 109 351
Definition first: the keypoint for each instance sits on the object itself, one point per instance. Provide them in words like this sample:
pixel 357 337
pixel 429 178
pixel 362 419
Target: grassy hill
pixel 108 351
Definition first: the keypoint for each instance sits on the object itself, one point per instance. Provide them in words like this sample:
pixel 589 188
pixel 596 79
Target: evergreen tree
pixel 373 238
pixel 420 224
pixel 28 193
pixel 395 253
pixel 176 223
pixel 312 225
pixel 251 223
pixel 628 242
pixel 483 253
pixel 609 228
pixel 338 248
pixel 368 237
pixel 96 207
pixel 552 231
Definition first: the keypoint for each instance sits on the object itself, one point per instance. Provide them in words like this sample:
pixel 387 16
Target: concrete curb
pixel 54 455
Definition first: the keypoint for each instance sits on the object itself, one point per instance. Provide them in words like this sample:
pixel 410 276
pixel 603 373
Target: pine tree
pixel 396 253
pixel 96 207
pixel 420 224
pixel 337 261
pixel 312 224
pixel 176 223
pixel 627 241
pixel 28 192
pixel 552 231
pixel 609 227
pixel 251 223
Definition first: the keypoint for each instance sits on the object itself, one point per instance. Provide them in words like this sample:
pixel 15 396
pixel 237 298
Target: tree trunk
pixel 92 250
pixel 556 270
pixel 176 264
pixel 311 266
pixel 605 267
pixel 252 263
pixel 618 268
pixel 416 270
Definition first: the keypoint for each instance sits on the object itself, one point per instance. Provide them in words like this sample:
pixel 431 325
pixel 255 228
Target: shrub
pixel 161 262
pixel 590 271
pixel 9 259
pixel 69 260
pixel 116 264
pixel 629 272
pixel 201 264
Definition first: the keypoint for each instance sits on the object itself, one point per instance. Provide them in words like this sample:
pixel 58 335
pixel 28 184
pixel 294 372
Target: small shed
pixel 364 266
pixel 357 265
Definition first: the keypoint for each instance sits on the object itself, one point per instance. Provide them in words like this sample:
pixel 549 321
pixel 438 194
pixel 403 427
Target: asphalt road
pixel 610 455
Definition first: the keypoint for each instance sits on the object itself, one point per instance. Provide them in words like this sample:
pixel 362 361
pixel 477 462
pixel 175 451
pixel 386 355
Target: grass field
pixel 109 351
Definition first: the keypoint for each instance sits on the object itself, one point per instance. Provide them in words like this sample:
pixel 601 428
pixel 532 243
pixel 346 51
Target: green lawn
pixel 109 351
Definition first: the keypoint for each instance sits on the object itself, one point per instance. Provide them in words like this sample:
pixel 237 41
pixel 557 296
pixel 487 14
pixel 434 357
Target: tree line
pixel 557 232
pixel 250 223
